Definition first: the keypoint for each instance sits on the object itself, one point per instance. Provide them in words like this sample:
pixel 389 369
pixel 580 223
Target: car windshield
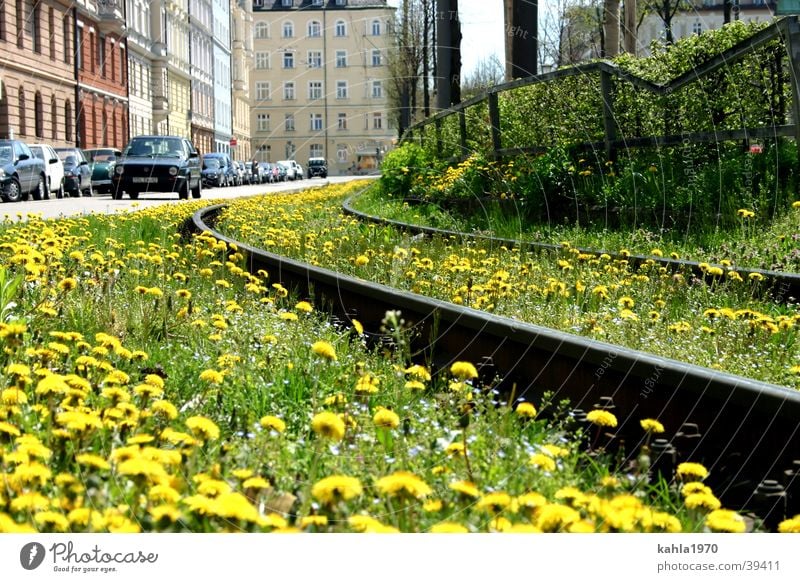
pixel 5 153
pixel 316 162
pixel 211 164
pixel 147 148
pixel 100 155
pixel 68 156
pixel 37 151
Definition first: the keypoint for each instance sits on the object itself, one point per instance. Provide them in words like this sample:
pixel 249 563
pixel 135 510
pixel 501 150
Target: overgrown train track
pixel 746 431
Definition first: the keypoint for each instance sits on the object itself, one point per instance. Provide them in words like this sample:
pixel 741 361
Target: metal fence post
pixel 494 120
pixel 609 126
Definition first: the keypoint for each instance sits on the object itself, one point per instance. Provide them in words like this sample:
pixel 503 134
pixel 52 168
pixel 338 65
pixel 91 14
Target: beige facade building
pixel 319 82
pixel 241 58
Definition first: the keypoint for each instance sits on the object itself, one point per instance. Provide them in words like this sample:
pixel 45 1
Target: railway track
pixel 745 431
pixel 782 287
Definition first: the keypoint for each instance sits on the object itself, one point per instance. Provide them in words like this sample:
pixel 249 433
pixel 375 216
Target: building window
pixel 263 121
pixel 22 113
pixel 316 121
pixel 262 91
pixel 20 23
pixel 288 90
pixel 262 30
pixel 51 29
pixel 286 3
pixel 67 32
pixel 341 2
pixel 315 89
pixel 697 28
pixel 342 121
pixel 101 55
pixel 38 115
pixel 377 89
pixel 376 28
pixel 316 3
pixel 377 121
pixel 262 60
pixel 258 3
pixel 288 60
pixel 315 150
pixel 36 28
pixel 288 29
pixel 3 26
pixel 68 121
pixel 376 58
pixel 315 59
pixel 314 28
pixel 341 89
pixel 341 59
pixel 53 119
pixel 341 28
pixel 341 153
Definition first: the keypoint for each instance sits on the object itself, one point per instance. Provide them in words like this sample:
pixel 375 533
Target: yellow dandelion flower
pixel 403 483
pixel 725 521
pixel 203 428
pixel 602 418
pixel 212 376
pixel 273 423
pixel 466 488
pixel 357 326
pixel 256 483
pixel 328 425
pixel 448 527
pixel 92 460
pixel 543 462
pixel 526 410
pixel 386 418
pixel 304 307
pixel 324 350
pixel 692 470
pixel 335 488
pixel 790 525
pixel 705 501
pixel 651 425
pixel 67 284
pixel 463 370
pixel 494 502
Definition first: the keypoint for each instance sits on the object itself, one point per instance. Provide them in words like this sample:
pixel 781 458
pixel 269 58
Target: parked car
pixel 158 163
pixel 317 167
pixel 299 172
pixel 267 173
pixel 226 167
pixel 239 180
pixel 77 174
pixel 21 173
pixel 291 173
pixel 102 162
pixel 53 168
pixel 281 172
pixel 213 173
pixel 253 172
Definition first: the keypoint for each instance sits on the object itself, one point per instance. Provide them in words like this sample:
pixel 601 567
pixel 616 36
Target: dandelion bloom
pixel 695 487
pixel 602 418
pixel 695 470
pixel 432 505
pixel 403 482
pixel 273 423
pixel 304 306
pixel 336 488
pixel 414 385
pixel 494 502
pixel 463 370
pixel 357 326
pixel 386 418
pixel 466 488
pixel 418 372
pixel 543 462
pixel 212 376
pixel 651 425
pixel 92 460
pixel 203 428
pixel 790 525
pixel 526 410
pixel 313 520
pixel 67 284
pixel 324 350
pixel 328 425
pixel 725 521
pixel 256 483
pixel 702 501
pixel 362 260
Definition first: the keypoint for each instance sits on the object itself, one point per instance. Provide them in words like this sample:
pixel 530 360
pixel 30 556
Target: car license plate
pixel 138 180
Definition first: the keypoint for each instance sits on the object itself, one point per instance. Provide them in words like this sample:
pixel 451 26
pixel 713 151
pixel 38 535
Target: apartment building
pixel 223 120
pixel 201 58
pixel 140 67
pixel 319 82
pixel 241 61
pixel 704 15
pixel 101 68
pixel 37 71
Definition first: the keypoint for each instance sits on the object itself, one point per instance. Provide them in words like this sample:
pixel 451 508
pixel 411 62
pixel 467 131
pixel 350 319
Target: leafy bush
pixel 401 165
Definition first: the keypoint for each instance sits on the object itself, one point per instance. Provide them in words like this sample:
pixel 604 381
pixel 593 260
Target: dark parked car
pixel 213 173
pixel 265 171
pixel 77 174
pixel 158 163
pixel 102 162
pixel 226 167
pixel 317 167
pixel 21 173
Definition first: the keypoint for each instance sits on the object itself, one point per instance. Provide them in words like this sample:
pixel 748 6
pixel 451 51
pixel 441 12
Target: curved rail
pixel 784 287
pixel 748 430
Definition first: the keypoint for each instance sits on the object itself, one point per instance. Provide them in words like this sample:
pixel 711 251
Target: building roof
pixel 277 5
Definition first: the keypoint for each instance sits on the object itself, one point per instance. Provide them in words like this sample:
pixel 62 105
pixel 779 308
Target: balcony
pixel 159 50
pixel 111 16
pixel 239 85
pixel 160 104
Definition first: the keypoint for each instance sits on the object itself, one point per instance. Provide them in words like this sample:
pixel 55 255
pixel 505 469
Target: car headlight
pixel 69 173
pixel 173 171
pixel 2 173
pixel 118 170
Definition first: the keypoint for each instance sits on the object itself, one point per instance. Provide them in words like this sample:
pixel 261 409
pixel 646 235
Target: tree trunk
pixel 524 34
pixel 426 32
pixel 629 38
pixel 448 82
pixel 611 26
